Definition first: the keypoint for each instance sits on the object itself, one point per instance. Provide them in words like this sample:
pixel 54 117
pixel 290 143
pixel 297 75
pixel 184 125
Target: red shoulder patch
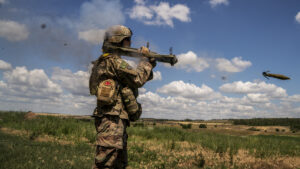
pixel 107 83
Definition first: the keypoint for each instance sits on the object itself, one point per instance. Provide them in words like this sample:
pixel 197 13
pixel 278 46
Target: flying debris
pixel 43 26
pixel 266 74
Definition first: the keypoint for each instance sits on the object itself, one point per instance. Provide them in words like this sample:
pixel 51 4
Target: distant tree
pixel 294 123
pixel 202 126
pixel 186 126
pixel 295 127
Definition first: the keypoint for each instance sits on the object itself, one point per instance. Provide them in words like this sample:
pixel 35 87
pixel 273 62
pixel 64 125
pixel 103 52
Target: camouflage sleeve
pixel 133 78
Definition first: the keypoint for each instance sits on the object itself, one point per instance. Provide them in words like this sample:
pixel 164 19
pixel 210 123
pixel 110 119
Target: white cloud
pixel 250 106
pixel 13 31
pixel 23 89
pixel 184 100
pixel 157 75
pixel 188 90
pixel 254 87
pixel 297 17
pixel 94 36
pixel 2 2
pixel 166 107
pixel 258 97
pixel 30 84
pixel 142 90
pixel 77 83
pixel 242 108
pixel 161 14
pixel 177 107
pixel 4 65
pixel 293 98
pixel 235 65
pixel 67 92
pixel 100 14
pixel 214 3
pixel 191 62
pixel 2 85
pixel 141 12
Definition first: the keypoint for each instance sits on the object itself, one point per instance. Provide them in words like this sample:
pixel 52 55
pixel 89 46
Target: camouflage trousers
pixel 111 150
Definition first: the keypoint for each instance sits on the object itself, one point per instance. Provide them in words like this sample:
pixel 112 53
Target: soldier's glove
pixel 152 61
pixel 145 51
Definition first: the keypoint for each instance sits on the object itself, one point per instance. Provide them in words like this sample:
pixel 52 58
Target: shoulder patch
pixel 126 68
pixel 123 65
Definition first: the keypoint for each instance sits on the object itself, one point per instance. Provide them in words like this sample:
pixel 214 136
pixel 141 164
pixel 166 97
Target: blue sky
pixel 223 46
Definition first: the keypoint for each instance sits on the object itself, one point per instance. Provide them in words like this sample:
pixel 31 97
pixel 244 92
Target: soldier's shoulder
pixel 101 58
pixel 110 56
pixel 107 56
pixel 123 66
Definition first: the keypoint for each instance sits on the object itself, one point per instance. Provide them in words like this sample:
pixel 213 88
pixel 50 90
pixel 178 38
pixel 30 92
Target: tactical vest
pixel 105 88
pixel 133 108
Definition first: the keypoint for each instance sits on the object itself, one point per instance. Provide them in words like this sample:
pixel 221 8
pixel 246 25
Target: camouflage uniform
pixel 111 121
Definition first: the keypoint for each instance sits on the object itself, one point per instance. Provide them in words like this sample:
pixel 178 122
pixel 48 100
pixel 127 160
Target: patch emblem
pixel 105 54
pixel 123 65
pixel 107 83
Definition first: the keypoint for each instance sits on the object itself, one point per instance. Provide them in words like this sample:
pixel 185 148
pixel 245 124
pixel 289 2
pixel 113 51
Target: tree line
pixel 294 123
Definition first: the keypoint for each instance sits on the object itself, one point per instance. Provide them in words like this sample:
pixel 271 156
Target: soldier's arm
pixel 134 78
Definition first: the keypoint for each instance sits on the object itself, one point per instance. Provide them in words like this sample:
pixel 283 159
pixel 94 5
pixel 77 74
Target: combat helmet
pixel 115 34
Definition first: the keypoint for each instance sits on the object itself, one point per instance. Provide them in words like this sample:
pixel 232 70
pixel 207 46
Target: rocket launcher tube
pixel 133 52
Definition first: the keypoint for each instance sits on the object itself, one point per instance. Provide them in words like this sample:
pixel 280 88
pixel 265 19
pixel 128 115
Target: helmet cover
pixel 116 33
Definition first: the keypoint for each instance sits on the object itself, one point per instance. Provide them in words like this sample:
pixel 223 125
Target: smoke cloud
pixel 74 40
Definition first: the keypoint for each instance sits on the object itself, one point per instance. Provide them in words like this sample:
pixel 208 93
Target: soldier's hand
pixel 152 61
pixel 145 51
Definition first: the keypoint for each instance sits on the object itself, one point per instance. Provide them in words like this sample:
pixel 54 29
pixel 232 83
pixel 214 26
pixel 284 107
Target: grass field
pixel 60 142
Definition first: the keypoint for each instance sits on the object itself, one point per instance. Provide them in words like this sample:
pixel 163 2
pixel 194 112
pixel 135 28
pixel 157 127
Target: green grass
pixel 66 128
pixel 75 129
pixel 261 145
pixel 21 152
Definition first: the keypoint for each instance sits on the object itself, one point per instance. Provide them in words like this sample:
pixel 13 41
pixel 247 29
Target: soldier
pixel 115 84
